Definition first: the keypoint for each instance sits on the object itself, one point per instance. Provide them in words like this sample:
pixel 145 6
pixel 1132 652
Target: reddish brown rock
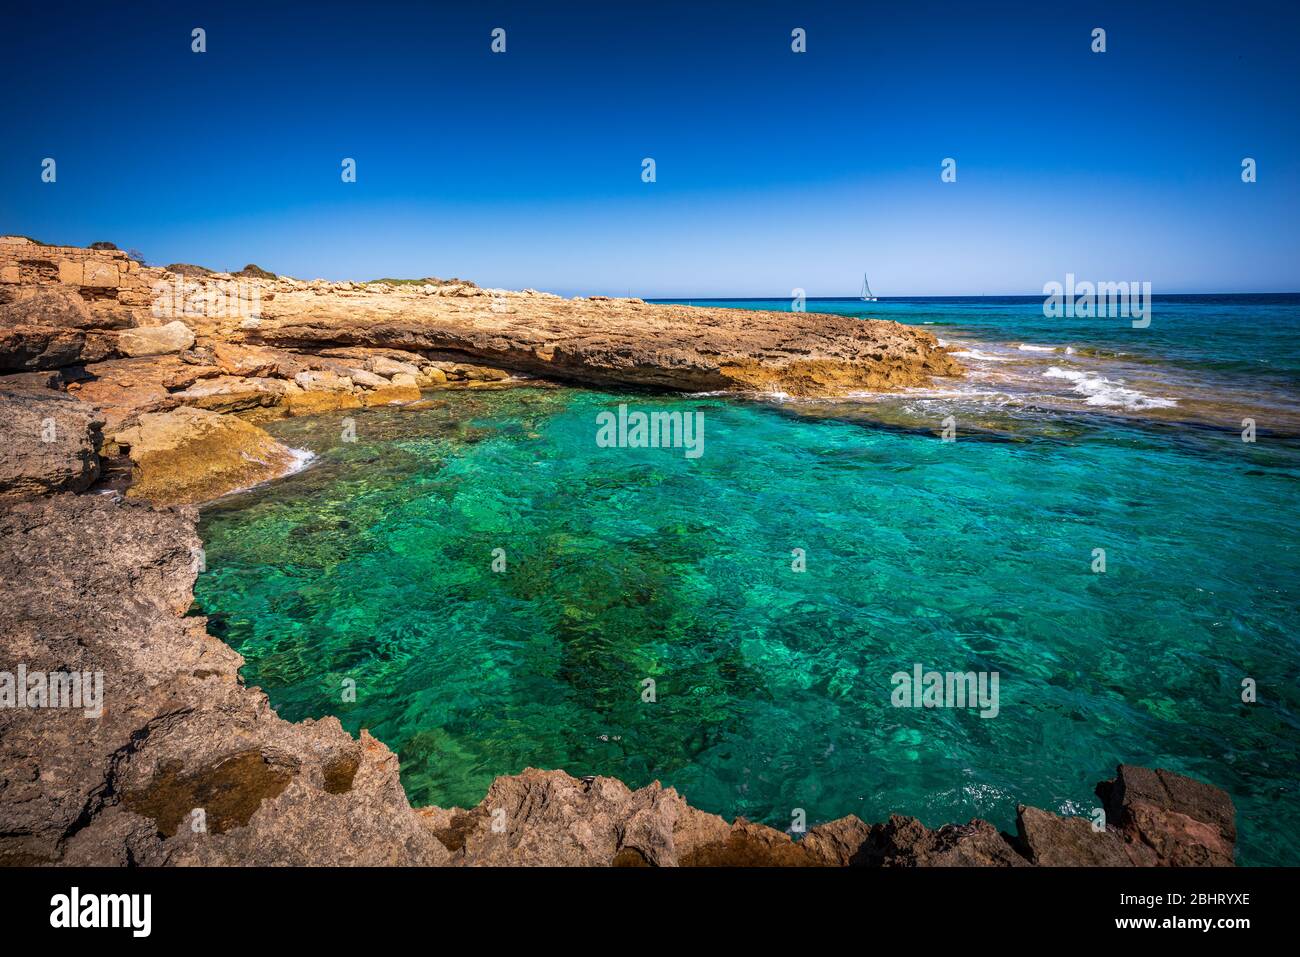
pixel 1053 841
pixel 249 361
pixel 906 842
pixel 123 388
pixel 1184 821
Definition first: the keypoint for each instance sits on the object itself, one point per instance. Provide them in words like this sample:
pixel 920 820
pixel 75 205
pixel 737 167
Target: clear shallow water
pixel 375 564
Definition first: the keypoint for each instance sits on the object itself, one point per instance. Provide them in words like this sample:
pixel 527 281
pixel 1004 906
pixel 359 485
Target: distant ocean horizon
pixel 1037 297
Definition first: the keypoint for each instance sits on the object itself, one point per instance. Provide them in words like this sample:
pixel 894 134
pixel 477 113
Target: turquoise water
pixel 1201 361
pixel 772 686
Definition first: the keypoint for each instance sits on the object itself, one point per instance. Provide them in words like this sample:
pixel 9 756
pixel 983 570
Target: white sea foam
pixel 1100 391
pixel 1026 347
pixel 300 459
pixel 980 356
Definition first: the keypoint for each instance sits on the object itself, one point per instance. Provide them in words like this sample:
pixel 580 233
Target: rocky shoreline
pixel 93 380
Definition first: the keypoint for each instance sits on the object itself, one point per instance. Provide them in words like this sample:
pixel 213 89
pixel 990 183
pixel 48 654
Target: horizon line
pixel 976 295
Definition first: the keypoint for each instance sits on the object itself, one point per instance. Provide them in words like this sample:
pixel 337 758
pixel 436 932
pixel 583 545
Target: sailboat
pixel 867 295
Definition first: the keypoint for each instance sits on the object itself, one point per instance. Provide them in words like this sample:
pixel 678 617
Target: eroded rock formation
pixel 191 455
pixel 100 585
pixel 49 442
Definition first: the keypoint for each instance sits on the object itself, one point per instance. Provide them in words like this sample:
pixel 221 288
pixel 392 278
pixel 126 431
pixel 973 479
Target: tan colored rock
pixel 403 388
pixel 100 274
pixel 175 336
pixel 390 367
pixel 71 272
pixel 431 377
pixel 596 341
pixel 614 342
pixel 191 455
pixel 475 373
pixel 316 403
pixel 240 360
pixel 236 393
pixel 367 380
pixel 322 380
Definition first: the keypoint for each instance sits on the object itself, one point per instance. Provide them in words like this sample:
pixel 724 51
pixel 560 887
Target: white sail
pixel 867 295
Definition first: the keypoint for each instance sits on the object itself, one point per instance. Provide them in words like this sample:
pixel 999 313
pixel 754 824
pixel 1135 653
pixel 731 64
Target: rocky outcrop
pixel 49 443
pixel 51 327
pixel 595 340
pixel 176 730
pixel 56 306
pixel 1183 821
pixel 134 341
pixel 191 455
pixel 619 342
pixel 117 289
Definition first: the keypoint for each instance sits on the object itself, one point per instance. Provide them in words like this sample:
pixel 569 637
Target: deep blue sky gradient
pixel 775 170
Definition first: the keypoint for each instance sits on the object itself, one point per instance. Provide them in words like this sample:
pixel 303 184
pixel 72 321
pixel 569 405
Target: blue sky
pixel 775 170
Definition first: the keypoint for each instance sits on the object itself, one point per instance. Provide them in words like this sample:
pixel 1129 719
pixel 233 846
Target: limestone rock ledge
pixel 189 455
pixel 62 305
pixel 102 583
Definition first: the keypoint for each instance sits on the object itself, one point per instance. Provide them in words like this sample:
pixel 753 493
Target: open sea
pixel 500 587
